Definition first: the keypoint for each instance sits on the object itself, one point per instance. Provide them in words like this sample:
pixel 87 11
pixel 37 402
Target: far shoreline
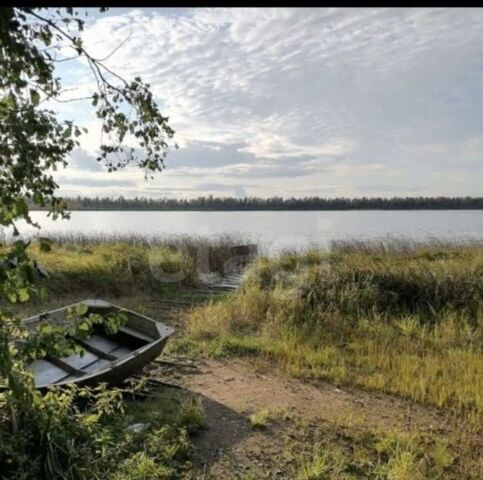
pixel 258 210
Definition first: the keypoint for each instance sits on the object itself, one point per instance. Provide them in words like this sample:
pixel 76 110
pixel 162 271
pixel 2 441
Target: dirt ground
pixel 233 389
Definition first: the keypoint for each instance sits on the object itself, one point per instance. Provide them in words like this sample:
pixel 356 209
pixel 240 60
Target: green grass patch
pixel 268 415
pixel 393 455
pixel 161 447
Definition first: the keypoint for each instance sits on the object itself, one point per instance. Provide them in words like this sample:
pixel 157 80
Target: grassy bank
pixel 71 441
pixel 119 265
pixel 404 318
pixel 401 318
pixel 390 316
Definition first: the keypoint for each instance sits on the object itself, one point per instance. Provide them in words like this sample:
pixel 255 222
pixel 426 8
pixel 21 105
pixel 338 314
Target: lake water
pixel 275 231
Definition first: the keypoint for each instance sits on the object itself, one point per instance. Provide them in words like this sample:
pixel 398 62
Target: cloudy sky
pixel 294 102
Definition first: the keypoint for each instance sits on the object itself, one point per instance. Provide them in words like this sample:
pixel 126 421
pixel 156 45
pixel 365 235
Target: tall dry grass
pixel 404 319
pixel 122 264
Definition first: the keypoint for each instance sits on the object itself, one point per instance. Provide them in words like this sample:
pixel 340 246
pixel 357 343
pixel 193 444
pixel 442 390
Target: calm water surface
pixel 275 231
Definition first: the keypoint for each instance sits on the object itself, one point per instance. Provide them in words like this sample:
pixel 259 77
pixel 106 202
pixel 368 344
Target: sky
pixel 293 102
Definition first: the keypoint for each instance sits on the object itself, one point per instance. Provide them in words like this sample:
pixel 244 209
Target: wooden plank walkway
pixel 215 281
pixel 209 287
pixel 159 373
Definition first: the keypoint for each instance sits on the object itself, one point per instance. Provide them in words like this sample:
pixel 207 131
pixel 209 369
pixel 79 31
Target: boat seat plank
pixel 122 351
pixel 136 334
pixel 46 372
pixel 97 366
pixel 102 343
pixel 97 351
pixel 79 361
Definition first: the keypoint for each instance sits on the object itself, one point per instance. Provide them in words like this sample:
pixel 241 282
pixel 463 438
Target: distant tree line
pixel 274 203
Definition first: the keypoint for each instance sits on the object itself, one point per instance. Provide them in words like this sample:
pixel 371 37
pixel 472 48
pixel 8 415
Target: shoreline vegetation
pixel 398 316
pixel 392 317
pixel 405 319
pixel 211 203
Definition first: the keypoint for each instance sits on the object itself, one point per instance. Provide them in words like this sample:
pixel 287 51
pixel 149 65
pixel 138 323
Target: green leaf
pixel 81 309
pixel 21 207
pixel 46 328
pixel 84 327
pixel 23 294
pixel 45 244
pixel 36 397
pixel 38 198
pixel 11 296
pixel 34 97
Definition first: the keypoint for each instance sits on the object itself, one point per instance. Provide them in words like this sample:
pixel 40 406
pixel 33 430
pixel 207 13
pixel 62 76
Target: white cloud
pixel 339 97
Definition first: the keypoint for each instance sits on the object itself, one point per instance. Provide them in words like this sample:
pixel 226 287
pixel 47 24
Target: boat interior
pixel 101 350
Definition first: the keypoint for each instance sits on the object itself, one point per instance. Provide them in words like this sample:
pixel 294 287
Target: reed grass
pixel 123 264
pixel 404 319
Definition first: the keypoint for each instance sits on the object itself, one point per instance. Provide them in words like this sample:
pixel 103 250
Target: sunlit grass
pixel 264 417
pixel 118 265
pixel 407 321
pixel 389 455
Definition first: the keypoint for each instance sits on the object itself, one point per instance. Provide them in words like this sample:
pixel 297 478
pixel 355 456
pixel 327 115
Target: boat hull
pixel 107 358
pixel 116 375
